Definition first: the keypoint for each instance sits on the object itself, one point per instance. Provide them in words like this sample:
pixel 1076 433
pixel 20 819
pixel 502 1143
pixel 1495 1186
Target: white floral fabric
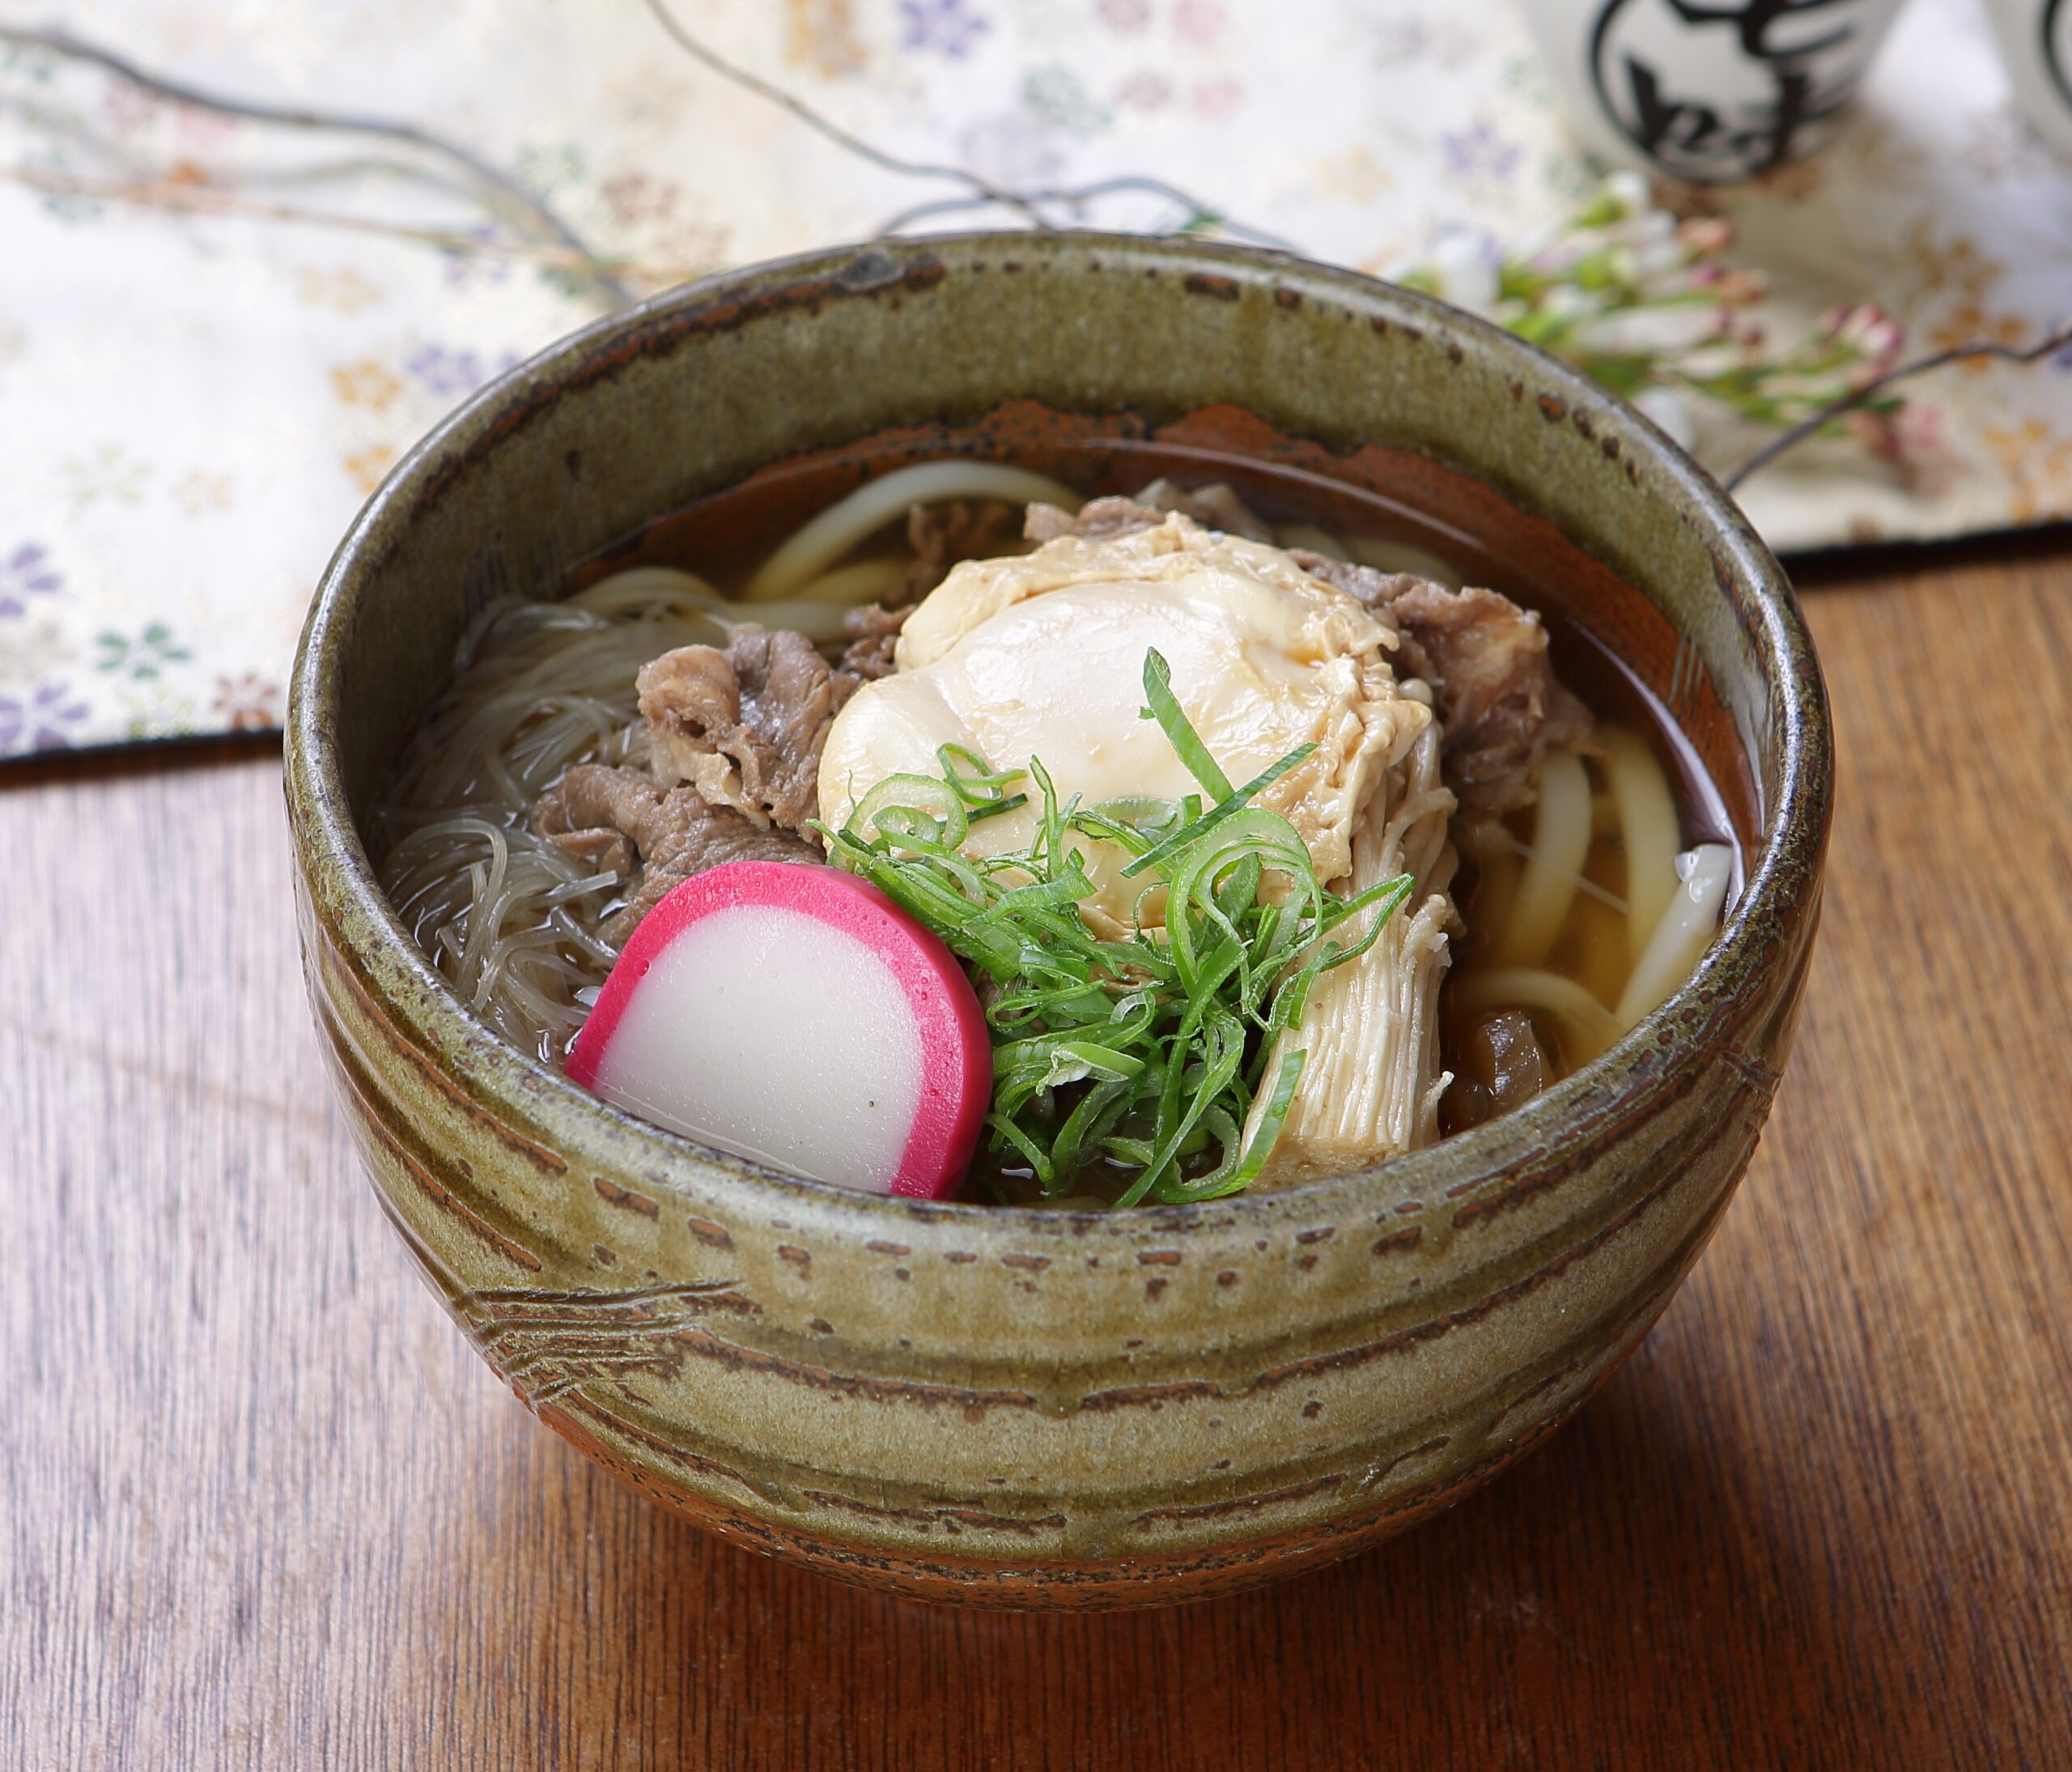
pixel 215 336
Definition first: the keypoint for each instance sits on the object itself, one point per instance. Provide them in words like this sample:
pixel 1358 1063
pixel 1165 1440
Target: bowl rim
pixel 338 872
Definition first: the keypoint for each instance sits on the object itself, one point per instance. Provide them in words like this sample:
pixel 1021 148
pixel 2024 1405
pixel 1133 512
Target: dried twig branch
pixel 1198 216
pixel 982 194
pixel 982 190
pixel 56 40
pixel 190 198
pixel 2059 340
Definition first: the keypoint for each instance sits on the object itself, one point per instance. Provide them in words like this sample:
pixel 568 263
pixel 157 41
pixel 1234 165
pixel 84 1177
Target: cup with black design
pixel 2035 43
pixel 1709 91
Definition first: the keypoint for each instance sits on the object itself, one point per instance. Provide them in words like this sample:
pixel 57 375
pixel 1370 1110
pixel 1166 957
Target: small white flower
pixel 1667 407
pixel 1461 267
pixel 1627 189
pixel 1654 258
pixel 1653 239
pixel 1657 226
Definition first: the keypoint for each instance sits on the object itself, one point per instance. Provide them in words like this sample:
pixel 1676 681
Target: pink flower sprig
pixel 1649 307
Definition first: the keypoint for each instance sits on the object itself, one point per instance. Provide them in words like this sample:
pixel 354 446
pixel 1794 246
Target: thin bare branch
pixel 56 40
pixel 983 193
pixel 193 198
pixel 981 188
pixel 573 255
pixel 1084 193
pixel 2059 340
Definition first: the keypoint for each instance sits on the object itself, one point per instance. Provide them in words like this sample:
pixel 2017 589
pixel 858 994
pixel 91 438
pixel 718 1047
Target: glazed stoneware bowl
pixel 1049 1408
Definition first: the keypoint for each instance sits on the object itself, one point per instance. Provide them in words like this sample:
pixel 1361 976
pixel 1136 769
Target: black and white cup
pixel 2035 42
pixel 1710 91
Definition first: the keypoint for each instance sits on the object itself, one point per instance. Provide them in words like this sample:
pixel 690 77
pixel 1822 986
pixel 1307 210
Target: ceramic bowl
pixel 1048 1409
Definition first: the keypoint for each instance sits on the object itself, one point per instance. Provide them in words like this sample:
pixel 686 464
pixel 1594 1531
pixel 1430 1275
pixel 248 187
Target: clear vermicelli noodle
pixel 1551 901
pixel 511 920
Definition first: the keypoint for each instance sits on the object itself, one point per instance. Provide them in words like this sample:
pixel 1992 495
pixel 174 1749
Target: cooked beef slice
pixel 602 849
pixel 1491 683
pixel 1213 506
pixel 1103 519
pixel 941 535
pixel 873 631
pixel 675 832
pixel 725 767
pixel 1099 520
pixel 744 726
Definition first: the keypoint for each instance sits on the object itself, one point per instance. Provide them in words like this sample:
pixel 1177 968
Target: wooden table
pixel 261 1507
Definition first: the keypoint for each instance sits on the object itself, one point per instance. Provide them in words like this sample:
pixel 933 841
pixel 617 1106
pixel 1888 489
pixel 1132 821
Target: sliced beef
pixel 1491 683
pixel 674 832
pixel 1105 519
pixel 725 768
pixel 941 535
pixel 1498 1063
pixel 1099 520
pixel 873 631
pixel 1215 506
pixel 746 726
pixel 599 848
pixel 1486 661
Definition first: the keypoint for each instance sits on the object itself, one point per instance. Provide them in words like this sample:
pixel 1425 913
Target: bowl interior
pixel 1106 363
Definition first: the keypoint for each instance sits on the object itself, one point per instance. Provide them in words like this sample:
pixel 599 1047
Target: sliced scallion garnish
pixel 1144 1053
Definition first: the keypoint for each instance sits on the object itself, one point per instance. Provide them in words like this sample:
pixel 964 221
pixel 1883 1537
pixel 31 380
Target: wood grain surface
pixel 261 1507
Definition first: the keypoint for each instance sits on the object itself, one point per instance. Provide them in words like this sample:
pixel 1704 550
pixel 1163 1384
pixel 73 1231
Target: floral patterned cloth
pixel 193 399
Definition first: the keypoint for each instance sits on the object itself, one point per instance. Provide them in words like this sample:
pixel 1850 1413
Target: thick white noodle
pixel 866 581
pixel 1487 837
pixel 812 549
pixel 1310 536
pixel 1681 935
pixel 1647 830
pixel 1560 845
pixel 1401 557
pixel 644 588
pixel 1590 1025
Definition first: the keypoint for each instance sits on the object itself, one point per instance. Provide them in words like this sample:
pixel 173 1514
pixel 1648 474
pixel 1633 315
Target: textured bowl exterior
pixel 1013 1407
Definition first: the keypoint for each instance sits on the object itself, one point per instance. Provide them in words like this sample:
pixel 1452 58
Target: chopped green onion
pixel 914 807
pixel 1180 733
pixel 1232 803
pixel 1140 1058
pixel 982 786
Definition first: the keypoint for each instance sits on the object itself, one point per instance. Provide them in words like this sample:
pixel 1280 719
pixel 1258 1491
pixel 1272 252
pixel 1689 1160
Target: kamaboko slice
pixel 795 1016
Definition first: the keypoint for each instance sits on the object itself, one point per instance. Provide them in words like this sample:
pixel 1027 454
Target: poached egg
pixel 1041 655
